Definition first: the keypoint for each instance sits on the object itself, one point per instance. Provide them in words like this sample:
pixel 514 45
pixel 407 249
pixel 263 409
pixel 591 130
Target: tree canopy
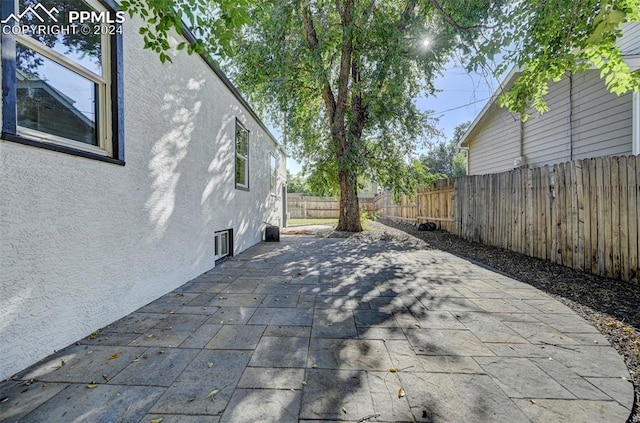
pixel 444 159
pixel 343 76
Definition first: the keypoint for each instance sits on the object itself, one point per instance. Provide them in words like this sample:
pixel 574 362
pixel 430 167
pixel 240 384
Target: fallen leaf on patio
pixel 45 385
pixel 27 382
pixel 314 366
pixel 92 385
pixel 221 322
pixel 212 393
pixel 344 410
pixel 62 363
pixel 156 420
pixel 191 399
pixel 3 400
pixel 210 365
pixel 401 393
pixel 393 369
pixel 417 325
pixel 150 336
pixel 179 295
pixel 89 352
pixel 160 351
pixel 304 383
pixel 222 298
pixel 114 356
pixel 107 378
pixel 532 401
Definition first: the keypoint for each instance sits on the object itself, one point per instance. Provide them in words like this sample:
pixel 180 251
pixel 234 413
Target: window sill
pixel 242 188
pixel 61 149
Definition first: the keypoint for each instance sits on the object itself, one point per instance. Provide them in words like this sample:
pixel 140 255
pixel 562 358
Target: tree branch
pixel 357 104
pixel 402 26
pixel 314 46
pixel 345 70
pixel 452 21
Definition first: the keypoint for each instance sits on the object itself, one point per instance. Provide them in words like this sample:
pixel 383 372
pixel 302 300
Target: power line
pixel 463 106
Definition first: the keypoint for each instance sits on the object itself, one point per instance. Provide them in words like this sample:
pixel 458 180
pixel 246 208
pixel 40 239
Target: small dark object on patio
pixel 272 234
pixel 429 226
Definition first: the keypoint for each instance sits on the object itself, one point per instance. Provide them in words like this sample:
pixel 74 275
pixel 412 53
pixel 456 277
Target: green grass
pixel 295 221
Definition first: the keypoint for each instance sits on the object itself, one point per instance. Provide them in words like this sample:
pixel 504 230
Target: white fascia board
pixel 508 80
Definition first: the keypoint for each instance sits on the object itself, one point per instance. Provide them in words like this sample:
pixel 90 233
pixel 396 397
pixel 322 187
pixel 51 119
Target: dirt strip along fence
pixel 581 214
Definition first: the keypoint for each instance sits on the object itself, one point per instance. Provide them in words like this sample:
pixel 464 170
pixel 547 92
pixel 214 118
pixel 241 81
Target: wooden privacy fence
pixel 581 214
pixel 303 206
pixel 432 204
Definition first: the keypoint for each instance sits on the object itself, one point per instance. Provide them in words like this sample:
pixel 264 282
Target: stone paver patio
pixel 313 329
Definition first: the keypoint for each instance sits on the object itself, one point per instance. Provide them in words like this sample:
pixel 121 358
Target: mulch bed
pixel 610 305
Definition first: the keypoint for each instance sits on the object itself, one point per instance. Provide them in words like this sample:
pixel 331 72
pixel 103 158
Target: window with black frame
pixel 62 84
pixel 242 156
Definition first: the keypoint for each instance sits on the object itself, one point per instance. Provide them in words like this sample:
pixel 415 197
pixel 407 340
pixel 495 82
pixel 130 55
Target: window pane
pixel 242 141
pixel 224 243
pixel 54 99
pixel 241 174
pixel 273 164
pixel 83 49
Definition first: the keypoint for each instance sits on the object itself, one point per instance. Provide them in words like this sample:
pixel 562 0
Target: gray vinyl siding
pixel 602 123
pixel 630 42
pixel 496 144
pixel 546 136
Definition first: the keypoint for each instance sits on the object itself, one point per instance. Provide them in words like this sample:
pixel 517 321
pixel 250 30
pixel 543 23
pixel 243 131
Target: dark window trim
pixel 235 156
pixel 10 100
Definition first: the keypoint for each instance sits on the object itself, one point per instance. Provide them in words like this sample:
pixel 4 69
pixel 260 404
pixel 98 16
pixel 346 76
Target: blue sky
pixel 462 96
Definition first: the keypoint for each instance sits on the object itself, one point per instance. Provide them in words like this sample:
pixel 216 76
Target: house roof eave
pixel 504 86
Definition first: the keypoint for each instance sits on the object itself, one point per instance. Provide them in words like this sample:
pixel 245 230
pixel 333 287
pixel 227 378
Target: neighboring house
pixel 120 179
pixel 584 120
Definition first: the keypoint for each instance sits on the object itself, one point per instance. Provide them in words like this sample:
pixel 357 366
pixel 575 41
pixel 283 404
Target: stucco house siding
pixel 85 242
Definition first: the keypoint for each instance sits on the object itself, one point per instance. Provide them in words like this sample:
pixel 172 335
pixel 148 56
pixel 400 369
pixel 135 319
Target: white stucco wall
pixel 84 242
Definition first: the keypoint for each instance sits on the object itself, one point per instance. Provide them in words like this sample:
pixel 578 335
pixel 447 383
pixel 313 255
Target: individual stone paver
pixel 22 397
pixel 274 351
pixel 272 378
pixel 316 329
pixel 439 397
pixel 103 404
pixel 557 411
pixel 336 395
pixel 262 405
pixel 348 354
pixel 520 378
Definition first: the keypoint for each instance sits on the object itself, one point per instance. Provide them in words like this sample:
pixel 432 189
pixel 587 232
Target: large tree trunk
pixel 349 219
